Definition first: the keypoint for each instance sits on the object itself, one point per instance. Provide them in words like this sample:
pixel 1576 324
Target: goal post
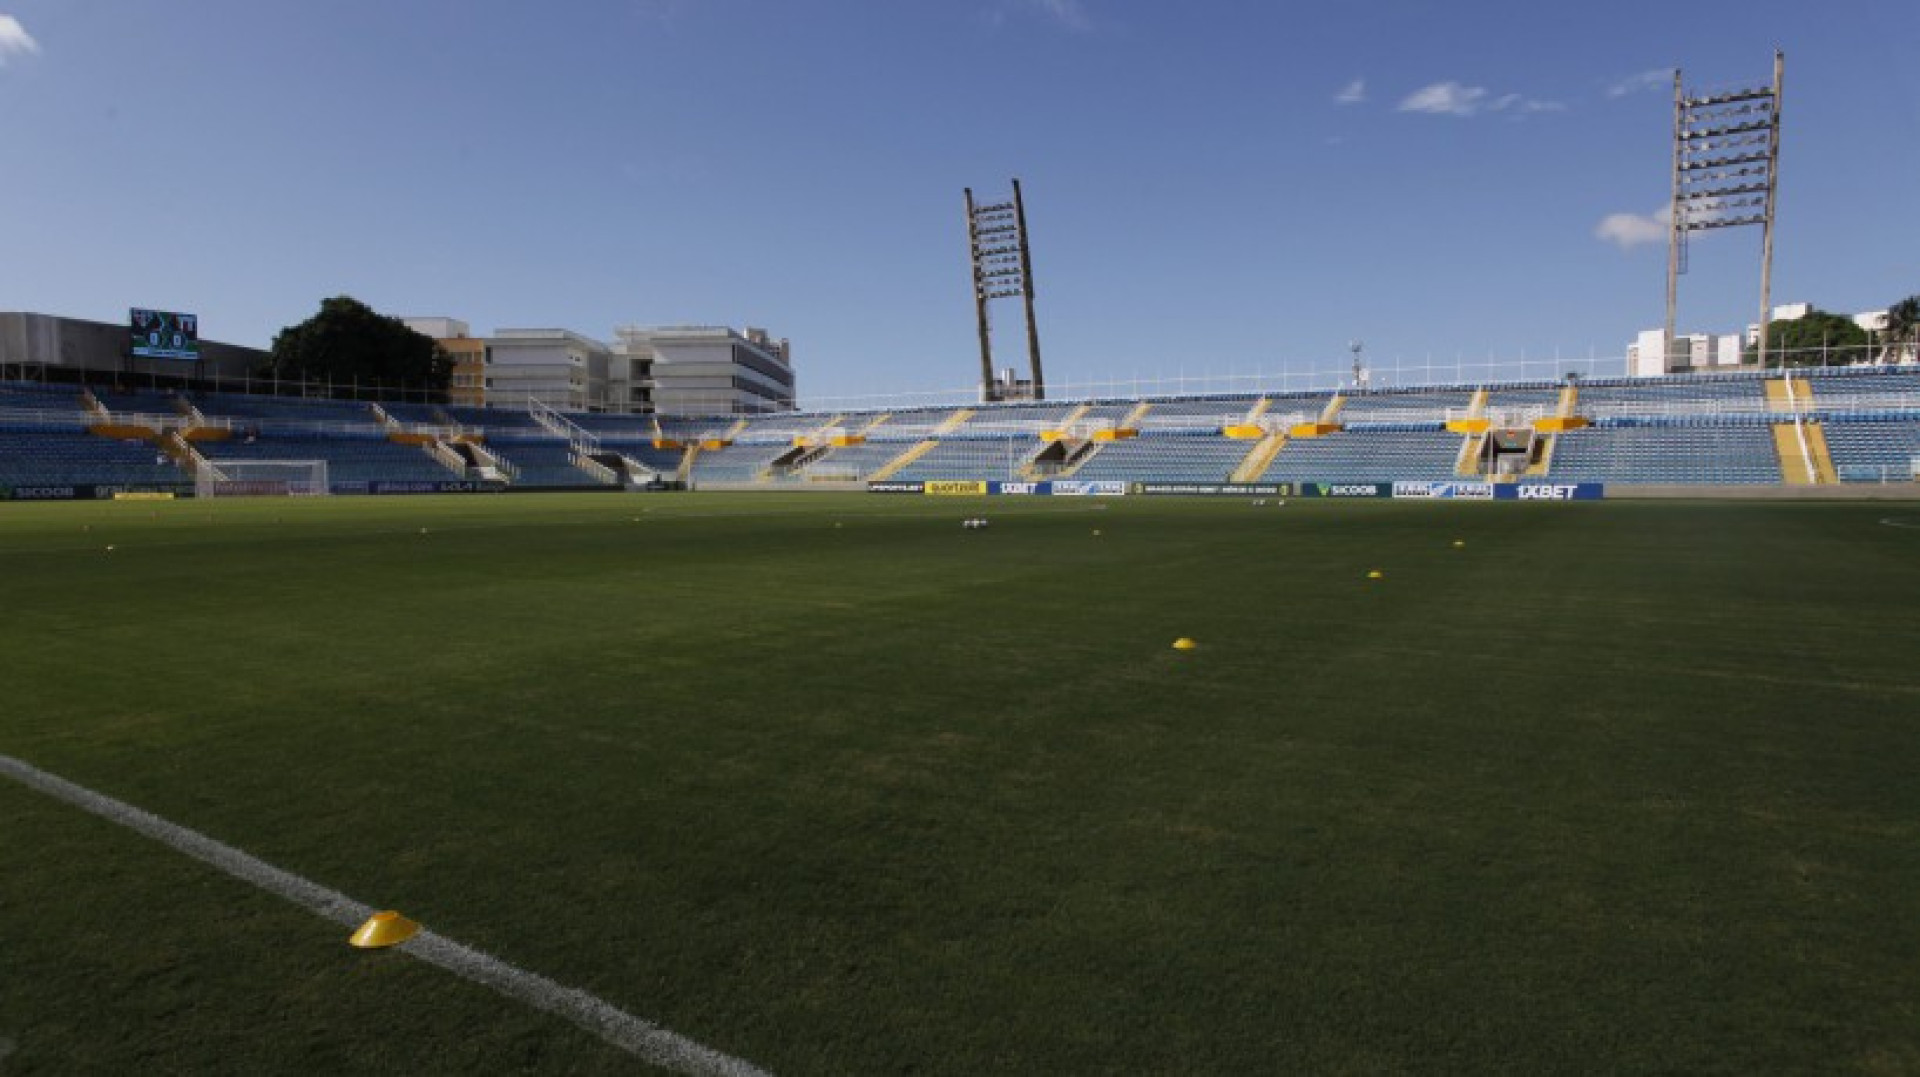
pixel 260 478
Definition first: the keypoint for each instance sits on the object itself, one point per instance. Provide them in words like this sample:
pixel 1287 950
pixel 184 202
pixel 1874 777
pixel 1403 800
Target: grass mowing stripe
pixel 641 1038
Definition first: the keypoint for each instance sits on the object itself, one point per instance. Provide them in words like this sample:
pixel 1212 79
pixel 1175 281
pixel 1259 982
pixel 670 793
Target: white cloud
pixel 1454 99
pixel 1520 105
pixel 14 40
pixel 1645 80
pixel 1445 99
pixel 1353 93
pixel 1630 230
pixel 1071 14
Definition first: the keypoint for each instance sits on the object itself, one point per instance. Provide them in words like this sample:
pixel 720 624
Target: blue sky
pixel 1212 186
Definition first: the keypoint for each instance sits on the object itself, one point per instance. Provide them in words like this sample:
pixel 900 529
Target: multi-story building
pixel 701 370
pixel 558 367
pixel 678 370
pixel 1698 352
pixel 1692 352
pixel 469 353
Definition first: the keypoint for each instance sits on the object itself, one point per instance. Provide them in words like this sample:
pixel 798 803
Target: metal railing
pixel 582 441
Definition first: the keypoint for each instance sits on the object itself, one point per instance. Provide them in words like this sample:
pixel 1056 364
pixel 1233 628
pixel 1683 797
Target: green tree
pixel 1819 339
pixel 348 343
pixel 1902 334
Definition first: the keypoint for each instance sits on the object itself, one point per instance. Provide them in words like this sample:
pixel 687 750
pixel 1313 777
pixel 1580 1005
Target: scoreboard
pixel 165 334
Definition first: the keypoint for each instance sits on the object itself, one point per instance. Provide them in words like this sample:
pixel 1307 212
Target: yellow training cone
pixel 384 929
pixel 1457 543
pixel 1376 574
pixel 1184 644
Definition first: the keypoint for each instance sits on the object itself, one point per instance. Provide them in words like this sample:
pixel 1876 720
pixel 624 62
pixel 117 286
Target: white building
pixel 557 367
pixel 1693 352
pixel 700 370
pixel 437 328
pixel 1700 353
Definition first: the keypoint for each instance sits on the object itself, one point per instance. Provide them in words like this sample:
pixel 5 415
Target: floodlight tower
pixel 1003 269
pixel 1726 166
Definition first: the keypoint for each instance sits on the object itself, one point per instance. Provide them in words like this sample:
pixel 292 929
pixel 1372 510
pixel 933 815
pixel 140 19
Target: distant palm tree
pixel 1903 328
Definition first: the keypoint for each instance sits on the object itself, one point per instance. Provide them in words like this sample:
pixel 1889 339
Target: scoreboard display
pixel 165 334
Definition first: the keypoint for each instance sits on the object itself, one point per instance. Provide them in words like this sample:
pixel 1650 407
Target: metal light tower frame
pixel 1003 269
pixel 1726 169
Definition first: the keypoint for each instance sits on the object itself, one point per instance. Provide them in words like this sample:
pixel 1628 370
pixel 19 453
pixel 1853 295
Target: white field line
pixel 1907 524
pixel 641 1038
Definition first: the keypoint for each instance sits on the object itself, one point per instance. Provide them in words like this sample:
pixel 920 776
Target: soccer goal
pixel 261 478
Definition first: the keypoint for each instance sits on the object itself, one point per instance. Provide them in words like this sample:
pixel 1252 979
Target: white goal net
pixel 260 478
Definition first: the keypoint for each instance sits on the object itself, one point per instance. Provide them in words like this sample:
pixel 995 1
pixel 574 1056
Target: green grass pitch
pixel 836 786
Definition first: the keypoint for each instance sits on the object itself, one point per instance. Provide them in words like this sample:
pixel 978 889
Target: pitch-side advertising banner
pixel 1213 489
pixel 953 488
pixel 1568 491
pixel 1442 491
pixel 1075 488
pixel 86 491
pixel 1346 489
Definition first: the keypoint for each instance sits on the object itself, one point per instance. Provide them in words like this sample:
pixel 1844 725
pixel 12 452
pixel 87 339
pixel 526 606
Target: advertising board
pixel 1567 491
pixel 955 488
pixel 1213 489
pixel 1346 489
pixel 1077 488
pixel 1444 491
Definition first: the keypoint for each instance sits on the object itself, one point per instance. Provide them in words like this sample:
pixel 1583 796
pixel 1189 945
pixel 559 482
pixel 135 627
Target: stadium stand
pixel 368 457
pixel 548 464
pixel 504 423
pixel 1376 455
pixel 1730 429
pixel 419 414
pixel 916 424
pixel 1401 406
pixel 1710 451
pixel 40 454
pixel 737 463
pixel 284 413
pixel 1028 420
pixel 625 429
pixel 1202 415
pixel 855 461
pixel 1691 396
pixel 1107 414
pixel 1166 458
pixel 1874 450
pixel 138 402
pixel 968 458
pixel 29 401
pixel 1546 398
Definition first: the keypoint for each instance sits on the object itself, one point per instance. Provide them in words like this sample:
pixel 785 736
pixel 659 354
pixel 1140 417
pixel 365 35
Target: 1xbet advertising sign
pixel 1540 491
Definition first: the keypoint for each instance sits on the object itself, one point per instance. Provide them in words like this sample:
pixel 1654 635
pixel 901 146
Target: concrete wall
pixel 99 350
